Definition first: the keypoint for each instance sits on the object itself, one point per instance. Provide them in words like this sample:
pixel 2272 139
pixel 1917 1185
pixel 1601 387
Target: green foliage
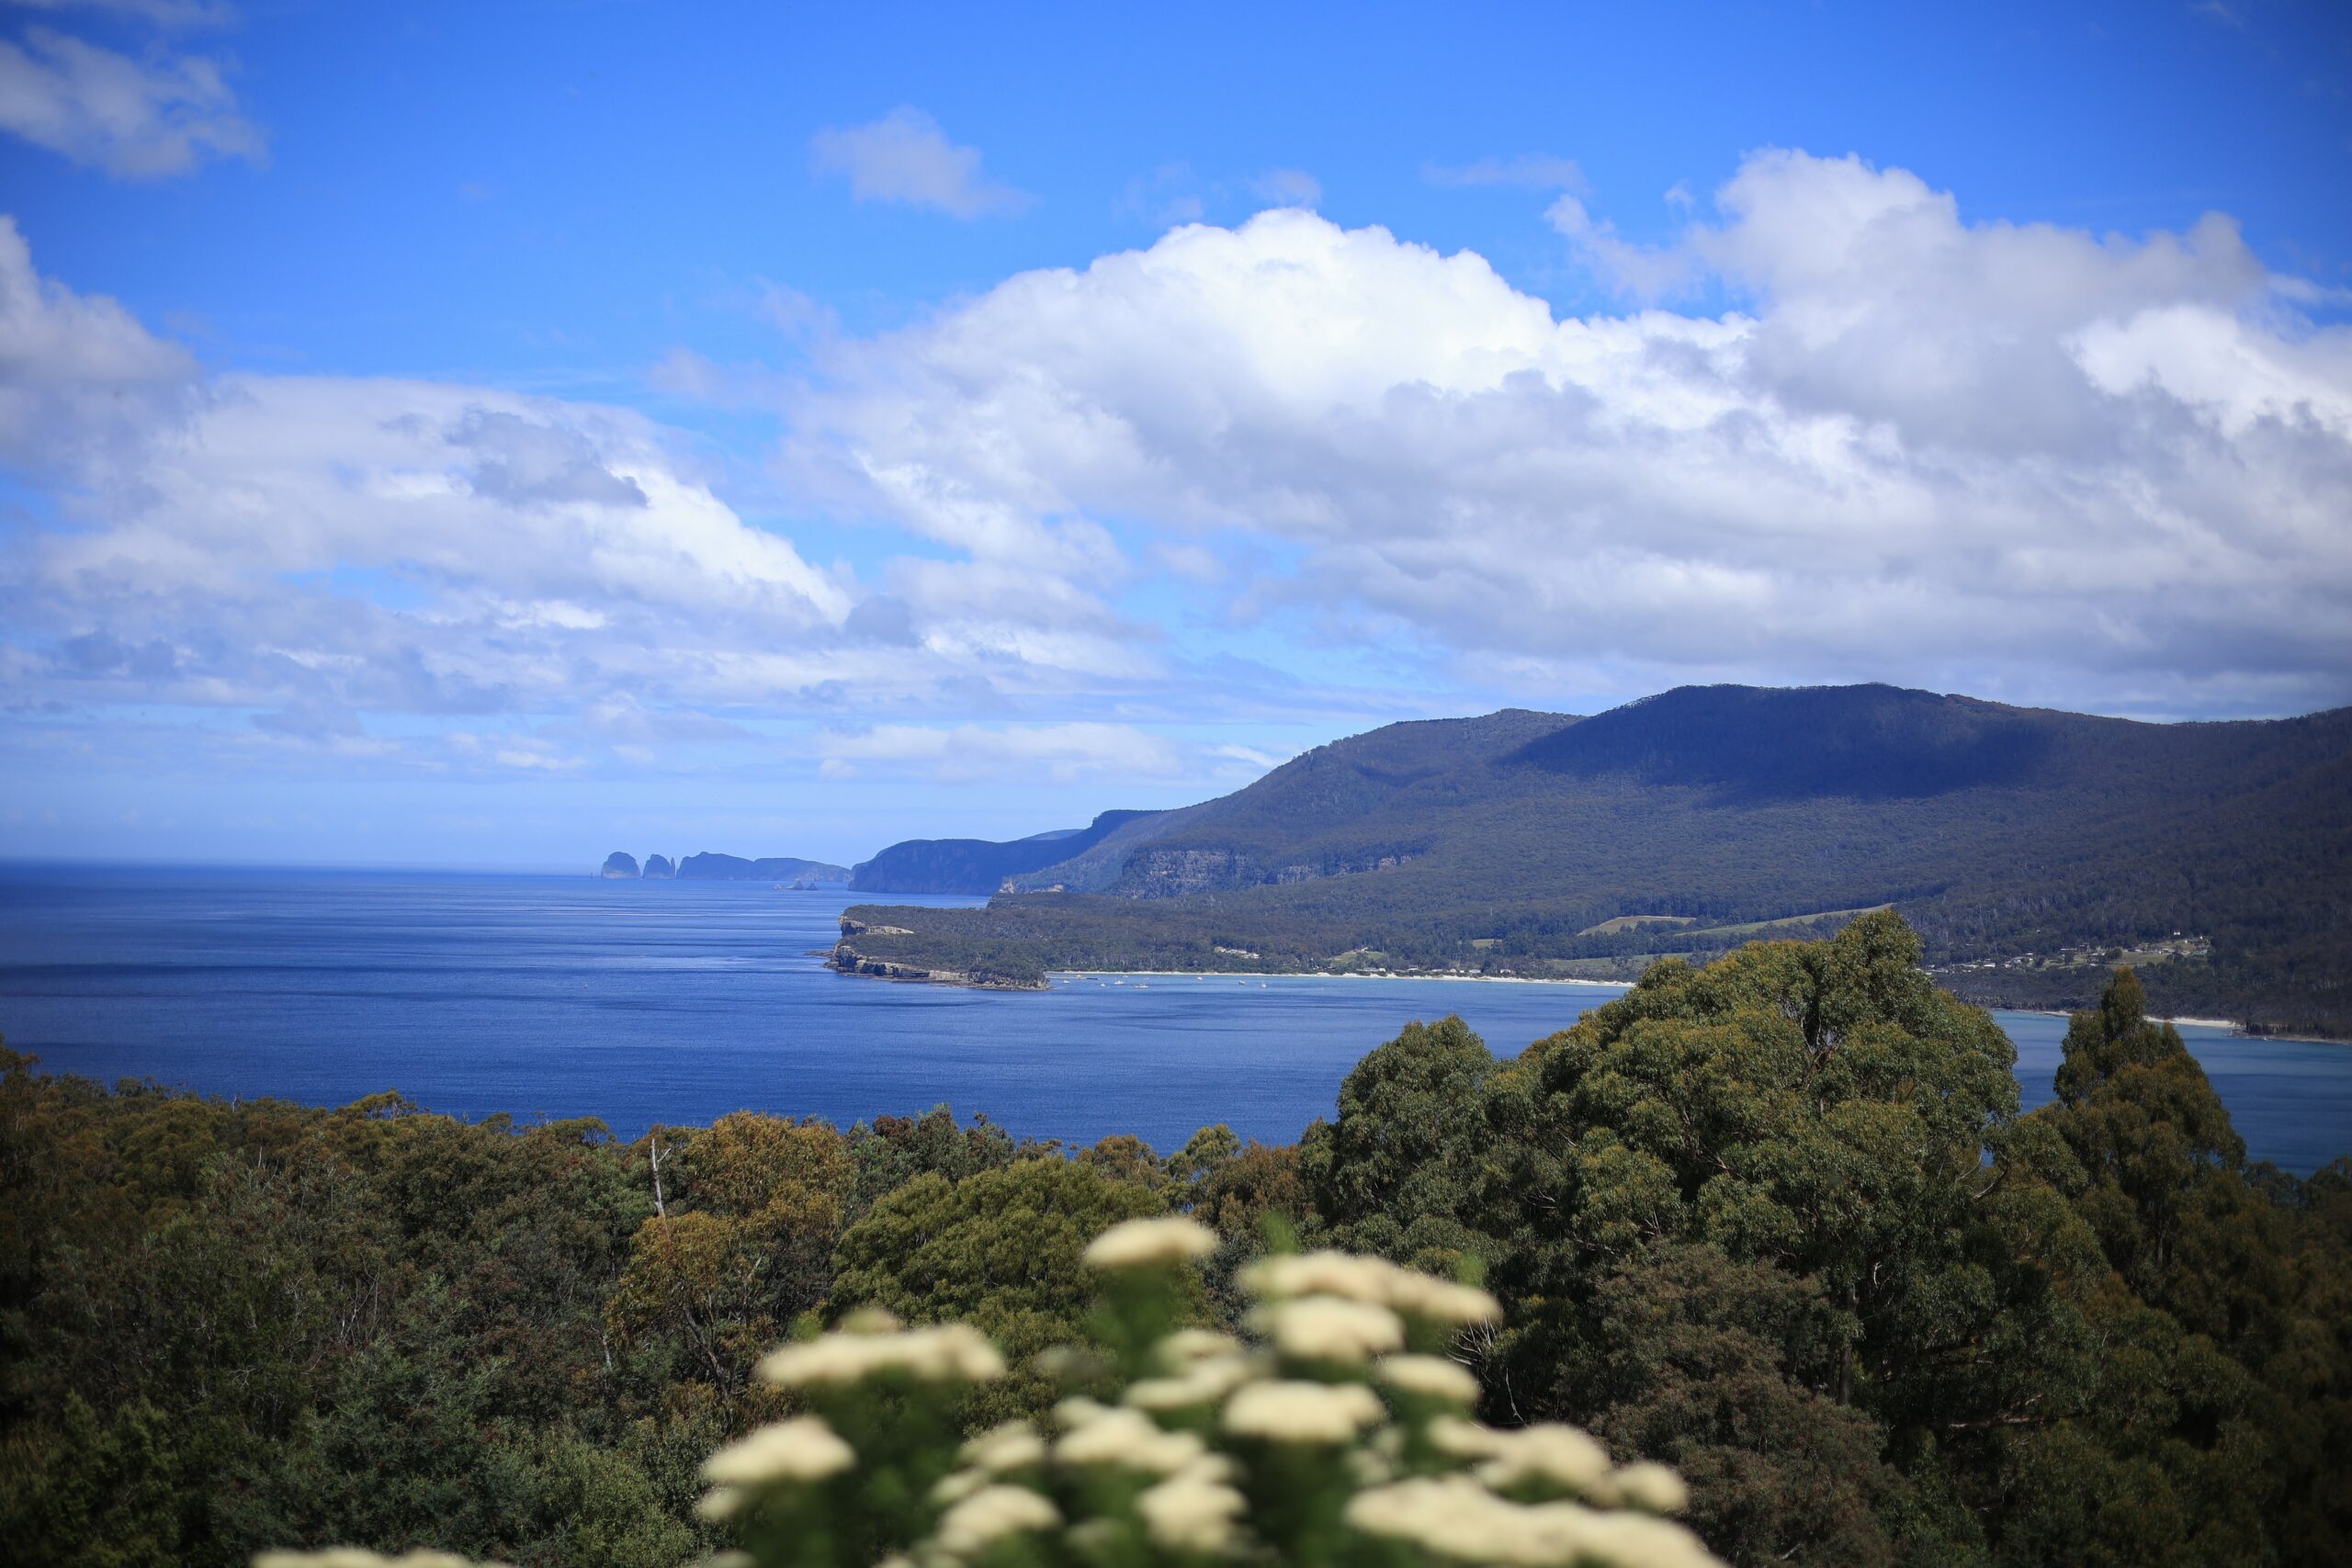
pixel 998 1249
pixel 228 1326
pixel 1777 1222
pixel 1774 1220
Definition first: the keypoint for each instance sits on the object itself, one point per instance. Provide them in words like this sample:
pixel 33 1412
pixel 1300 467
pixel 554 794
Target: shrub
pixel 1338 1431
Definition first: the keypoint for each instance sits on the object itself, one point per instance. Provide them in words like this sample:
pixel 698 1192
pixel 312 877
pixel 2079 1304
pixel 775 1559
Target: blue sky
pixel 493 435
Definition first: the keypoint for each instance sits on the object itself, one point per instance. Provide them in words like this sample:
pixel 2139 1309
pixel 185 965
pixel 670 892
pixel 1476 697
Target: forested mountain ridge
pixel 2023 843
pixel 976 865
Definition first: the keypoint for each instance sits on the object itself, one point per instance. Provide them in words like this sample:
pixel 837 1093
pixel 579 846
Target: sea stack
pixel 659 865
pixel 619 865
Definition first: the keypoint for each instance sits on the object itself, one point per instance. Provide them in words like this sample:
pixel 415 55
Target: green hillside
pixel 2024 845
pixel 979 865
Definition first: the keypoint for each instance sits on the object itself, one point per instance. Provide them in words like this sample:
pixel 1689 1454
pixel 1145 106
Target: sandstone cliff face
pixel 850 927
pixel 848 961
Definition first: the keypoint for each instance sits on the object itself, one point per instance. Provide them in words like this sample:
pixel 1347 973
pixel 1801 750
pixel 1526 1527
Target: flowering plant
pixel 1337 1431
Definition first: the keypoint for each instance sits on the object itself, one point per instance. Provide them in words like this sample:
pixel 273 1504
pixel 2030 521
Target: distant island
pixel 2031 849
pixel 709 867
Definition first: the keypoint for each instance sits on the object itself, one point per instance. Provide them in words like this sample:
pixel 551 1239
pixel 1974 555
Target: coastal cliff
pixel 880 966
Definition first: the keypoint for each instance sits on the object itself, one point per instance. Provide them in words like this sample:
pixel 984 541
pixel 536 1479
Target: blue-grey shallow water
pixel 641 1002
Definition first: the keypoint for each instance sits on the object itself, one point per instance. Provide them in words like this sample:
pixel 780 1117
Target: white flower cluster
pixel 949 1351
pixel 1432 1377
pixel 1135 1243
pixel 353 1557
pixel 1549 1458
pixel 1100 1434
pixel 1325 1390
pixel 1332 1330
pixel 1372 1281
pixel 988 1516
pixel 1329 1328
pixel 803 1448
pixel 1286 1412
pixel 1454 1519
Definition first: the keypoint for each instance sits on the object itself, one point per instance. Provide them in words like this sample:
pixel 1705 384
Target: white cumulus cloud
pixel 2015 458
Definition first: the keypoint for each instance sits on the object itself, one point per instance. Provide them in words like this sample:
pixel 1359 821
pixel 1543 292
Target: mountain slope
pixel 1499 844
pixel 976 865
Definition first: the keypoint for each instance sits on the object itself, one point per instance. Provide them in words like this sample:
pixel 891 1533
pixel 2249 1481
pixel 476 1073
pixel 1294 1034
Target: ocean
pixel 647 1003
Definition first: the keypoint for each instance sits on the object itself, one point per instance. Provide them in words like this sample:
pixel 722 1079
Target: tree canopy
pixel 1775 1220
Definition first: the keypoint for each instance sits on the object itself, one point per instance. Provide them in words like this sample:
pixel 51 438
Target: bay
pixel 645 1002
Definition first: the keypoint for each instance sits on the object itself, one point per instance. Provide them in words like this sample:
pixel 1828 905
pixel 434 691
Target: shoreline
pixel 1324 975
pixel 2236 1030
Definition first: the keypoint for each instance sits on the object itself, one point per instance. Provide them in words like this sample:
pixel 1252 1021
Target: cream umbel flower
pixel 1302 1412
pixel 1466 1440
pixel 1186 1346
pixel 1562 1456
pixel 1637 1540
pixel 1432 1377
pixel 719 1505
pixel 1372 1281
pixel 991 1513
pixel 1129 1440
pixel 1203 1382
pixel 1328 1328
pixel 1456 1518
pixel 949 1351
pixel 803 1448
pixel 1370 1468
pixel 1011 1446
pixel 1320 1274
pixel 355 1557
pixel 1652 1488
pixel 1442 1300
pixel 957 1485
pixel 1188 1512
pixel 1132 1244
pixel 1078 1410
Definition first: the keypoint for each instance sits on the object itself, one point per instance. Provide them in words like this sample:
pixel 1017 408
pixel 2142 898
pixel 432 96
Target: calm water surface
pixel 657 1001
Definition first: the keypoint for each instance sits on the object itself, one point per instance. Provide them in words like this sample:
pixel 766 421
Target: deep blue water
pixel 659 1001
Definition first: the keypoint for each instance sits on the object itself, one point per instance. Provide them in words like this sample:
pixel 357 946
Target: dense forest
pixel 1775 1220
pixel 2024 846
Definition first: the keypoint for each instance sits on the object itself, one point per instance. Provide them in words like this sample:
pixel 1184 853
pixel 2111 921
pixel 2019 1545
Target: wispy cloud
pixel 1528 171
pixel 136 119
pixel 1061 753
pixel 1288 188
pixel 906 158
pixel 168 14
